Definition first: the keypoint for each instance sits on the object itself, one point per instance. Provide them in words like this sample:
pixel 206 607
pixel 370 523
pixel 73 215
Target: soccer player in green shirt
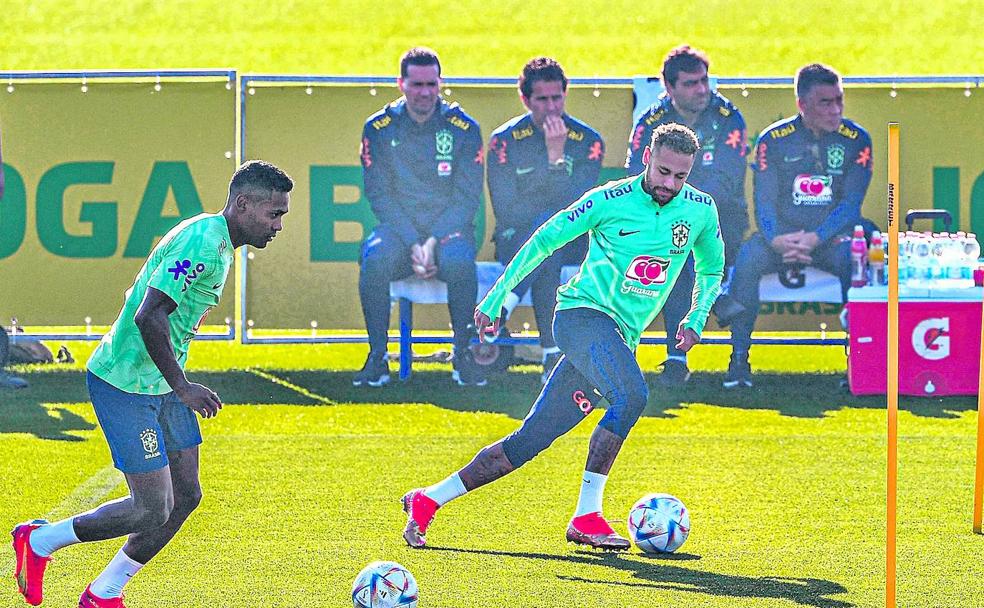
pixel 142 399
pixel 641 230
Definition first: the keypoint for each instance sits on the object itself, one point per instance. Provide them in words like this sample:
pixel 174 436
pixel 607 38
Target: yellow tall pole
pixel 979 472
pixel 893 360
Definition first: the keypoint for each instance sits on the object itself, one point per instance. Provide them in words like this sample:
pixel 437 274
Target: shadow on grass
pixel 512 394
pixel 38 410
pixel 660 573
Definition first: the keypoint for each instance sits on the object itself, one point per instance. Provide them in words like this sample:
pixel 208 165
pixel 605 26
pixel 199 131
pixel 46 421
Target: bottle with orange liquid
pixel 876 260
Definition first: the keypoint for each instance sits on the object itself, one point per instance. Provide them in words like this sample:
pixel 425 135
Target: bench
pixel 819 286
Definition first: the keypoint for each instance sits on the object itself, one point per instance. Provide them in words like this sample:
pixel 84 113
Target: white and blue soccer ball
pixel 384 585
pixel 659 523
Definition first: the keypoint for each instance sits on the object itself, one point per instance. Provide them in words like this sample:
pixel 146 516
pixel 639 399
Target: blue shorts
pixel 142 429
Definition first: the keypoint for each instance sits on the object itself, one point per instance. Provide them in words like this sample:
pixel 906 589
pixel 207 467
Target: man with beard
pixel 641 230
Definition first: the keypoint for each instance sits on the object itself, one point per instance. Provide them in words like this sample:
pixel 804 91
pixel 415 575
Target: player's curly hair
pixel 259 177
pixel 419 55
pixel 811 75
pixel 683 59
pixel 676 137
pixel 542 69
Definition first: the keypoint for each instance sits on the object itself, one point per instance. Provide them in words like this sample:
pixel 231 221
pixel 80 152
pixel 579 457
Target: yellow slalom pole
pixel 979 472
pixel 893 360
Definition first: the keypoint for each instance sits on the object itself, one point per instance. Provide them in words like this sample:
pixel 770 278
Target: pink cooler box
pixel 939 341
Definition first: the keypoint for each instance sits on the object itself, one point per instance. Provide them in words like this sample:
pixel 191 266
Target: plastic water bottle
pixel 919 262
pixel 971 250
pixel 859 251
pixel 937 261
pixel 903 253
pixel 876 260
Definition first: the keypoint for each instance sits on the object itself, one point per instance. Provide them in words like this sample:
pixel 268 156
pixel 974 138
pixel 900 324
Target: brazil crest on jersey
pixel 190 265
pixel 636 251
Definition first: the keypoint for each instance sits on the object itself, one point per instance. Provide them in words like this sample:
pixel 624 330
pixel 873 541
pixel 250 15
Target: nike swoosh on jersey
pixel 622 232
pixel 524 170
pixel 792 159
pixel 394 142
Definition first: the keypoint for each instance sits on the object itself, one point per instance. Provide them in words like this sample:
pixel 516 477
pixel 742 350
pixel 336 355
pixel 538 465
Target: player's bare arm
pixel 151 320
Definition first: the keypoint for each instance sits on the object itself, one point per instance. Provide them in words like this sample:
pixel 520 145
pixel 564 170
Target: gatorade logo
pixel 931 339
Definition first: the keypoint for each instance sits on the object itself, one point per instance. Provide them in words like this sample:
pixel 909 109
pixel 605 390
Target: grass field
pixel 303 473
pixel 611 38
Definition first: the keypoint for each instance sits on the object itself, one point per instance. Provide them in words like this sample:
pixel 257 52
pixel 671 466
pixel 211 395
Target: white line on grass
pixel 297 389
pixel 87 495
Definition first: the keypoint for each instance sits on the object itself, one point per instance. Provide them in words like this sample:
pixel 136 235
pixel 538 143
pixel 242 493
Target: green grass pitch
pixel 302 473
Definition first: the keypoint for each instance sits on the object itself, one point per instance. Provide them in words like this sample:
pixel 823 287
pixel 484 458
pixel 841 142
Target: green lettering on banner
pixel 51 208
pixel 813 307
pixel 13 212
pixel 946 194
pixel 150 224
pixel 325 212
pixel 977 206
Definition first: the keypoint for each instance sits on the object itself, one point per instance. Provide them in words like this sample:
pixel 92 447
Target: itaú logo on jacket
pixel 931 339
pixel 647 270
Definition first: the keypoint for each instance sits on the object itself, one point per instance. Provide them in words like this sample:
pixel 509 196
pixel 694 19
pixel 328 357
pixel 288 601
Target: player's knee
pixel 626 406
pixel 523 446
pixel 187 502
pixel 151 516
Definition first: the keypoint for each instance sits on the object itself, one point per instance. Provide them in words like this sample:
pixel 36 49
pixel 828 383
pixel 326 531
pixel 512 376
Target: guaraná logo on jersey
pixel 647 270
pixel 812 190
pixel 931 338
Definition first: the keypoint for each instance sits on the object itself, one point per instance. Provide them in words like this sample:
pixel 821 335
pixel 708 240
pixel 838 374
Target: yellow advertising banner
pixel 95 174
pixel 95 177
pixel 313 131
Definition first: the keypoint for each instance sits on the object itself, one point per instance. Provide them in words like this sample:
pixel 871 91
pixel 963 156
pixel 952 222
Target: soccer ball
pixel 384 585
pixel 659 523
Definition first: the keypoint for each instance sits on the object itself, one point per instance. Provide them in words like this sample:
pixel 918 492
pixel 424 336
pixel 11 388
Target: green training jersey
pixel 636 251
pixel 190 265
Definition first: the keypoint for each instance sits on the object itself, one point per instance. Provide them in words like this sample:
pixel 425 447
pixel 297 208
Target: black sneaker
pixel 675 373
pixel 726 308
pixel 550 361
pixel 739 372
pixel 465 372
pixel 374 373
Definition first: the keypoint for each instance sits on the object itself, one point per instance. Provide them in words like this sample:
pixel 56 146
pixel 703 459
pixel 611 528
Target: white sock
pixel 116 575
pixel 512 300
pixel 592 489
pixel 446 491
pixel 48 539
pixel 680 358
pixel 549 351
